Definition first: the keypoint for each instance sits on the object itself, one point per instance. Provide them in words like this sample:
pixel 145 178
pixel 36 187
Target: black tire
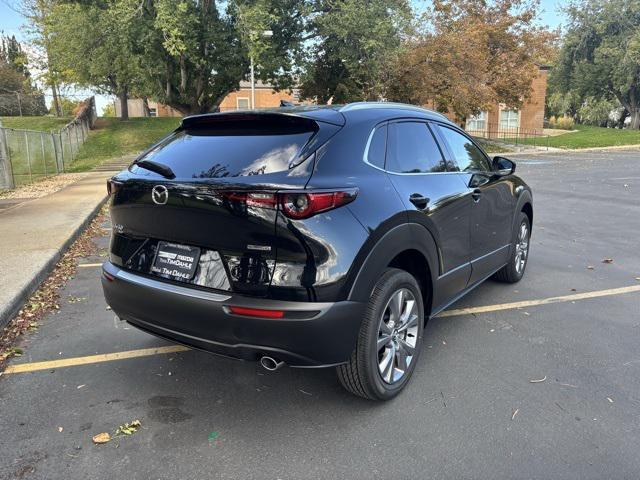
pixel 510 273
pixel 361 375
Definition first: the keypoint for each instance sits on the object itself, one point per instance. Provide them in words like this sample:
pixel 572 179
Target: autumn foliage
pixel 472 54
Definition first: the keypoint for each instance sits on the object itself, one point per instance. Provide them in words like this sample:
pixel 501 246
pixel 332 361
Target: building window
pixel 477 122
pixel 509 119
pixel 153 112
pixel 242 103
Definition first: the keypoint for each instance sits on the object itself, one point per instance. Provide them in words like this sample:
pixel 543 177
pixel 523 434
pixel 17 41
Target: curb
pixel 7 312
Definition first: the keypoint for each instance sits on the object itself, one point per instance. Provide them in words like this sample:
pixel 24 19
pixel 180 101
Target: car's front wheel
pixel 390 338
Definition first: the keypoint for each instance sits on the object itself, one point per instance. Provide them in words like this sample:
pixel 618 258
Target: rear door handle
pixel 477 193
pixel 419 200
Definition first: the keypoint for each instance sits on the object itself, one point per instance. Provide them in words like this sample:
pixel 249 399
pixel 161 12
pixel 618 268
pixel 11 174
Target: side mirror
pixel 503 166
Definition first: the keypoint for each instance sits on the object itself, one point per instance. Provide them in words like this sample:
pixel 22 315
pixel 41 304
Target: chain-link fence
pixel 29 155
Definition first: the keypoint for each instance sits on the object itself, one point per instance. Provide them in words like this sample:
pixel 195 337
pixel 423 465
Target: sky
pixel 11 23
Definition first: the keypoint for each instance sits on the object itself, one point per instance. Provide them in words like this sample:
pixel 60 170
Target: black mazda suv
pixel 312 236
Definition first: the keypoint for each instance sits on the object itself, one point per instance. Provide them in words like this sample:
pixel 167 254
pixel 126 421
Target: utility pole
pixel 264 33
pixel 253 86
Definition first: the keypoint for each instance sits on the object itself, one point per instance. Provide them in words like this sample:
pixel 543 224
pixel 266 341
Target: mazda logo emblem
pixel 159 194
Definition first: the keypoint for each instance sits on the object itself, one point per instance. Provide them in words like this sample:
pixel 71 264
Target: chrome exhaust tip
pixel 271 364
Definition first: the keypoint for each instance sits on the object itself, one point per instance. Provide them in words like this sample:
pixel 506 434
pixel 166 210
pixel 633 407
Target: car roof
pixel 337 114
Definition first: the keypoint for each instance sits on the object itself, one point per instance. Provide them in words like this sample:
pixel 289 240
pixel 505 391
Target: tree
pixel 18 94
pixel 472 54
pixel 93 48
pixel 354 43
pixel 600 54
pixel 195 52
pixel 37 13
pixel 597 111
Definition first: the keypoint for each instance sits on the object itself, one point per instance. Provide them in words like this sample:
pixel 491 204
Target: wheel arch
pixel 408 246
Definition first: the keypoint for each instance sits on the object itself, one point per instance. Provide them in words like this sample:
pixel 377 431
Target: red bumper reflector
pixel 256 312
pixel 108 276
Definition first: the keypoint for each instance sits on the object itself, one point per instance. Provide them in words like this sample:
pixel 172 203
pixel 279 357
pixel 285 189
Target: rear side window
pixel 412 149
pixel 466 156
pixel 232 148
pixel 377 147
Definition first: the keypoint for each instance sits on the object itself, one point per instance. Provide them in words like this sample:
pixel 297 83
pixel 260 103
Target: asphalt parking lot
pixel 471 410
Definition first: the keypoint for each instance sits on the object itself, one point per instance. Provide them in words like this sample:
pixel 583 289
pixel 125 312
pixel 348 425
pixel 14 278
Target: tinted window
pixel 412 149
pixel 466 156
pixel 377 147
pixel 230 150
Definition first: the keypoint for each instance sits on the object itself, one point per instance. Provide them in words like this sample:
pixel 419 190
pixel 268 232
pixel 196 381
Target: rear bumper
pixel 311 334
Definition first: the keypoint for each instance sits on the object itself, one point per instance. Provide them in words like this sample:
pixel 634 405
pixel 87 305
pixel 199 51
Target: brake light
pixel 256 312
pixel 305 205
pixel 296 205
pixel 252 199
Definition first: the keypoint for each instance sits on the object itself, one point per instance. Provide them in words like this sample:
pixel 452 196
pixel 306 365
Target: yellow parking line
pixel 541 301
pixel 145 352
pixel 87 265
pixel 105 357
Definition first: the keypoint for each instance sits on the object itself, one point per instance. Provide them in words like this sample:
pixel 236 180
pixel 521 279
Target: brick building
pixel 266 97
pixel 529 120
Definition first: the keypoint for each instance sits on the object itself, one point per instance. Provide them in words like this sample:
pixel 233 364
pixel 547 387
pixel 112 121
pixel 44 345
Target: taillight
pixel 296 205
pixel 305 205
pixel 253 199
pixel 112 186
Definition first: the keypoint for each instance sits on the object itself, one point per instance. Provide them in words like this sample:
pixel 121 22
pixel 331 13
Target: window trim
pixel 505 109
pixel 436 138
pixel 238 103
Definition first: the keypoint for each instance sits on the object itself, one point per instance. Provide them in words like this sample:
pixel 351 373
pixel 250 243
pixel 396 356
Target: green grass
pixel 114 138
pixel 44 124
pixel 590 137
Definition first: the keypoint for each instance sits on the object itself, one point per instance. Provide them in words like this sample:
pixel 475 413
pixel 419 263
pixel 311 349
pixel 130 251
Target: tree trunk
pixel 145 107
pixel 56 100
pixel 635 118
pixel 124 106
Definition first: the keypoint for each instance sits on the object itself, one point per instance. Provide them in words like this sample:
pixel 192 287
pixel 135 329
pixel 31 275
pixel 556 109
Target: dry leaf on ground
pixel 103 437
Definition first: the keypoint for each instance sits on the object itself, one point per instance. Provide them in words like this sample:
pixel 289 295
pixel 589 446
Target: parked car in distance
pixel 312 236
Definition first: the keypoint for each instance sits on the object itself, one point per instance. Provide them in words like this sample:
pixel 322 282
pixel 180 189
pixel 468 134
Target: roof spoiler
pixel 284 115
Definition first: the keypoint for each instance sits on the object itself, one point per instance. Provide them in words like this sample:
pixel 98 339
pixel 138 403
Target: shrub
pixel 564 122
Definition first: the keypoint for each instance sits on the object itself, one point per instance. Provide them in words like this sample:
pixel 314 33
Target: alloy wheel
pixel 522 248
pixel 397 335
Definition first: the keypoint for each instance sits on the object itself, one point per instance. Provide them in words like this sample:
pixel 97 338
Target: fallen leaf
pixel 573 290
pixel 103 437
pixel 129 428
pixel 607 260
pixel 538 380
pixel 515 412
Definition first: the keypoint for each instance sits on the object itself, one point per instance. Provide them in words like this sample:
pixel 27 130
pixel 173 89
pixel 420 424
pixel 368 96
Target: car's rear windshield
pixel 233 148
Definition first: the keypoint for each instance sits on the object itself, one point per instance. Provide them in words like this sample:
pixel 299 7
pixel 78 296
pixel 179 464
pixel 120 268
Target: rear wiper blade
pixel 163 170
